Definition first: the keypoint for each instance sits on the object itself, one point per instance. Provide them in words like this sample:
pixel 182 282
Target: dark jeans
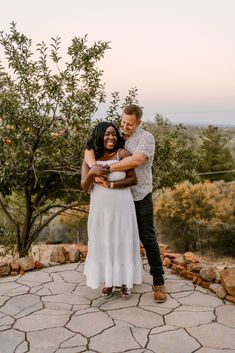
pixel 144 213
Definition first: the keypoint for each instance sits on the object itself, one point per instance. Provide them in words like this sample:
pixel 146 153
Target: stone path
pixel 52 311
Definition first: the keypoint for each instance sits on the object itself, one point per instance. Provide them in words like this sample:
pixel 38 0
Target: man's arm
pixel 89 174
pixel 130 162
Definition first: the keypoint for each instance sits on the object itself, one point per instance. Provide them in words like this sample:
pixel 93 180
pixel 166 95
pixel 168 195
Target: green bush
pixel 198 217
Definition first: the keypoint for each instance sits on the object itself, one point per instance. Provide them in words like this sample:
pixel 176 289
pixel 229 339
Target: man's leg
pixel 144 213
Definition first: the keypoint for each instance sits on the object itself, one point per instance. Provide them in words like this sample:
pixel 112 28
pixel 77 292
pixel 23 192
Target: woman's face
pixel 110 138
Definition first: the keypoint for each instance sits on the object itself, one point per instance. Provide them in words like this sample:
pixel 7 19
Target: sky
pixel 180 54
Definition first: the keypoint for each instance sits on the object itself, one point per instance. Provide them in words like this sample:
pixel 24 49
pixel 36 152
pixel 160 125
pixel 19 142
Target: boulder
pixel 179 260
pixel 230 298
pixel 26 263
pixel 73 255
pixel 208 273
pixel 83 250
pixel 171 255
pixel 190 257
pixel 228 280
pixel 163 248
pixel 15 267
pixel 218 289
pixel 4 268
pixel 178 268
pixel 38 265
pixel 194 267
pixel 166 261
pixel 58 254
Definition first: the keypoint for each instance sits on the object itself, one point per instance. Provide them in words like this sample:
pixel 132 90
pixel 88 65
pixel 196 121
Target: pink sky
pixel 180 54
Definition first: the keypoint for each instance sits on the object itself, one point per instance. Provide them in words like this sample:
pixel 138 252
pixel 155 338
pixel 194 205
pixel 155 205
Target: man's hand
pixel 99 171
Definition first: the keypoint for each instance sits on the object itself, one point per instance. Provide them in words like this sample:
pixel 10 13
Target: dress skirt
pixel 113 255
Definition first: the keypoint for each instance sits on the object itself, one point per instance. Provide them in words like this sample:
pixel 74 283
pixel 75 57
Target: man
pixel 141 144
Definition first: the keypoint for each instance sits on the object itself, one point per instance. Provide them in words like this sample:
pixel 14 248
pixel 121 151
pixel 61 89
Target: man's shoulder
pixel 146 134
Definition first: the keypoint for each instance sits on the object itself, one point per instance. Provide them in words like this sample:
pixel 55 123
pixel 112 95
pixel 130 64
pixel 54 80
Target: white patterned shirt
pixel 142 141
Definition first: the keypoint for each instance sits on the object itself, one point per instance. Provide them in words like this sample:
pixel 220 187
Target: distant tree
pixel 217 156
pixel 176 159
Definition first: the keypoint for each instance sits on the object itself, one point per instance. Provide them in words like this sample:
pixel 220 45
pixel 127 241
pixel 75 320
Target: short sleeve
pixel 146 145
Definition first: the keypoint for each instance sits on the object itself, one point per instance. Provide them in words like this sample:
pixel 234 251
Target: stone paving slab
pixel 53 311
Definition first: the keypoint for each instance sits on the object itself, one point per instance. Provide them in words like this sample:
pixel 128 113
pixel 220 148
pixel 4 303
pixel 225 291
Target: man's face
pixel 129 124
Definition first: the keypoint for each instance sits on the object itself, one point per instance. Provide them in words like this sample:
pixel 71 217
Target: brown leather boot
pixel 159 294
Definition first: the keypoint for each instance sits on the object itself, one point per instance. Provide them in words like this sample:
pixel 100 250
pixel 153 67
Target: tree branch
pixel 5 211
pixel 49 219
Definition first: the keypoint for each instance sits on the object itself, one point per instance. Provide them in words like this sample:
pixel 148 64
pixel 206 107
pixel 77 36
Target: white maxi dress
pixel 113 255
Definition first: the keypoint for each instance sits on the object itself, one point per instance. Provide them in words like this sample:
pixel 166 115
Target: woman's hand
pixel 105 183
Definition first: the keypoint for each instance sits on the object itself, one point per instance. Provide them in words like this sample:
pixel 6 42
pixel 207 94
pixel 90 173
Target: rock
pixel 163 248
pixel 179 260
pixel 173 266
pixel 58 255
pixel 183 273
pixel 194 267
pixel 4 268
pixel 38 265
pixel 14 273
pixel 179 268
pixel 190 275
pixel 26 263
pixel 73 255
pixel 199 280
pixel 15 267
pixel 166 262
pixel 142 252
pixel 208 273
pixel 206 284
pixel 230 298
pixel 171 255
pixel 83 250
pixel 190 257
pixel 228 280
pixel 217 276
pixel 218 289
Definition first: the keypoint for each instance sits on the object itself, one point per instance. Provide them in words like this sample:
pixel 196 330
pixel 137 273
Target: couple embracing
pixel 121 207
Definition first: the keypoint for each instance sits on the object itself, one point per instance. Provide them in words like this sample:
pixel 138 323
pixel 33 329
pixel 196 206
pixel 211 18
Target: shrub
pixel 198 217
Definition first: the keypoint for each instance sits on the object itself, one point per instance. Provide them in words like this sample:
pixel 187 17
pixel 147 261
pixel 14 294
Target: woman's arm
pixel 89 157
pixel 130 180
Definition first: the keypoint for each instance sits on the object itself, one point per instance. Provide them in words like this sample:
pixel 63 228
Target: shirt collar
pixel 134 133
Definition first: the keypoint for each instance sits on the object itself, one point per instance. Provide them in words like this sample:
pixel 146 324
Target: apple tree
pixel 46 106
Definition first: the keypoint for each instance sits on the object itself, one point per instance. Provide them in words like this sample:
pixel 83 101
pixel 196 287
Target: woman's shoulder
pixel 123 153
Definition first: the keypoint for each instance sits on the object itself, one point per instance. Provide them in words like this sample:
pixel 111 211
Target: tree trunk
pixel 23 251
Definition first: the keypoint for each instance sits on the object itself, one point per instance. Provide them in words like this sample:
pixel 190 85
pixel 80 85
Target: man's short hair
pixel 133 109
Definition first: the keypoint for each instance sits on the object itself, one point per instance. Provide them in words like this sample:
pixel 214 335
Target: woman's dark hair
pixel 96 140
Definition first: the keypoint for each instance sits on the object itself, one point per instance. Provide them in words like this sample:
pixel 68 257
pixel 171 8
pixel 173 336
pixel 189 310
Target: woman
pixel 113 241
